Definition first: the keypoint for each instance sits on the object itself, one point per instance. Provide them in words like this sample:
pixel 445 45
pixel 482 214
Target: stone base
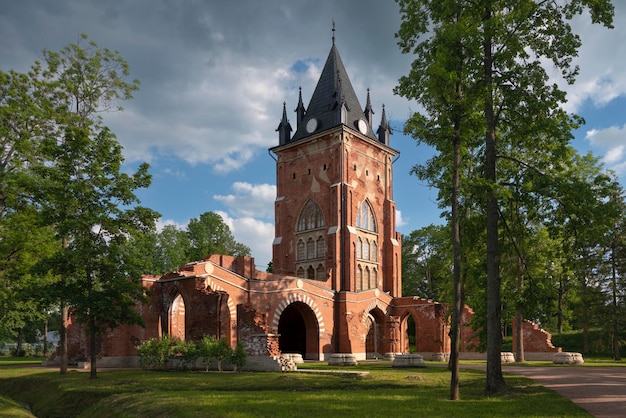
pixel 567 358
pixel 391 356
pixel 342 360
pixel 269 364
pixel 295 357
pixel 408 360
pixel 440 357
pixel 507 357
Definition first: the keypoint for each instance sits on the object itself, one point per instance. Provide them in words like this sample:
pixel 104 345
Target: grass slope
pixel 385 392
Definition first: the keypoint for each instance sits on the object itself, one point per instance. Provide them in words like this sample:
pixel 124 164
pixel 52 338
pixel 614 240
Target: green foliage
pixel 221 351
pixel 61 179
pixel 168 352
pixel 205 349
pixel 496 121
pixel 427 262
pixel 239 357
pixel 155 352
pixel 208 234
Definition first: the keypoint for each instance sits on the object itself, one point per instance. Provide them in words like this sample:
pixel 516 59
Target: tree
pixel 426 263
pixel 209 234
pixel 500 47
pixel 84 196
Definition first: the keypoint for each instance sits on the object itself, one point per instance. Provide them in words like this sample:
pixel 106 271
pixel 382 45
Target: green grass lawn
pixel 385 392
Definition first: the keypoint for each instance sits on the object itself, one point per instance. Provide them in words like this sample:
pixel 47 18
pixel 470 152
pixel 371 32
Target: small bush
pixel 205 350
pixel 239 357
pixel 155 352
pixel 221 351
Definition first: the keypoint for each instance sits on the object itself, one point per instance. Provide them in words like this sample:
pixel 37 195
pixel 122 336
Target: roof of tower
pixel 333 91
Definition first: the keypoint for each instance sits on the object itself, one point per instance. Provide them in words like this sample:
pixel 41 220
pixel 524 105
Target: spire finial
pixel 333 31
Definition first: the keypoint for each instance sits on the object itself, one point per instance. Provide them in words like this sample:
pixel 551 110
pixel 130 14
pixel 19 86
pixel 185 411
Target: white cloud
pixel 250 200
pixel 607 138
pixel 610 141
pixel 399 221
pixel 602 75
pixel 614 155
pixel 256 234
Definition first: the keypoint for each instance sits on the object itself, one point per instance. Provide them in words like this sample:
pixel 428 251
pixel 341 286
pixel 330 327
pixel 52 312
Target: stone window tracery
pixel 311 217
pixel 300 250
pixel 321 247
pixel 321 272
pixel 365 217
pixel 311 242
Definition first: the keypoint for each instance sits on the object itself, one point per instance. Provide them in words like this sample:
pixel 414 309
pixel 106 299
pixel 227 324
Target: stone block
pixel 342 360
pixel 567 358
pixel 296 358
pixel 507 357
pixel 440 357
pixel 409 360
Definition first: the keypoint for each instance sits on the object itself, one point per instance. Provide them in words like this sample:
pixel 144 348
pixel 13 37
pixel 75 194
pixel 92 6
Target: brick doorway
pixel 374 339
pixel 299 331
pixel 177 318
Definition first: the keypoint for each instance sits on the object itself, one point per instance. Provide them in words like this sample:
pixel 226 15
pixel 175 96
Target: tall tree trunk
pixel 20 342
pixel 65 311
pixel 615 318
pixel 45 338
pixel 65 314
pixel 519 316
pixel 93 352
pixel 495 380
pixel 559 311
pixel 456 243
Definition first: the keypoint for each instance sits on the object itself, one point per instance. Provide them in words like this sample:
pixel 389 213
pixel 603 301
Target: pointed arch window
pixel 321 247
pixel 359 278
pixel 301 273
pixel 311 217
pixel 374 279
pixel 310 273
pixel 310 249
pixel 365 217
pixel 321 272
pixel 300 250
pixel 374 251
pixel 366 279
pixel 366 250
pixel 359 247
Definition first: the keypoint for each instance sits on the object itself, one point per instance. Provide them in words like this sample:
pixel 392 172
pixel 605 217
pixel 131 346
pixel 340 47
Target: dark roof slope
pixel 332 91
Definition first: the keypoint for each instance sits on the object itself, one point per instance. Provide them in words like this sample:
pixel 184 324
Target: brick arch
pixel 375 304
pixel 298 297
pixel 210 284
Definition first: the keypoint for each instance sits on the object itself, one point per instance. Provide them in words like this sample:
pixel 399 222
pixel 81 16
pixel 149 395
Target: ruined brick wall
pixel 536 340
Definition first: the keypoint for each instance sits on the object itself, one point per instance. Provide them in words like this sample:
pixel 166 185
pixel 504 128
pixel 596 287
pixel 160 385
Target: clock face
pixel 311 125
pixel 362 125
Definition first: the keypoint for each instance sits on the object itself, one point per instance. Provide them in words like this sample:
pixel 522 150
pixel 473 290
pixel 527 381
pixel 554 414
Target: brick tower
pixel 334 210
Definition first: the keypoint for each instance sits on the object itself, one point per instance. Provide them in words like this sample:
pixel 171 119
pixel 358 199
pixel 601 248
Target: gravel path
pixel 599 390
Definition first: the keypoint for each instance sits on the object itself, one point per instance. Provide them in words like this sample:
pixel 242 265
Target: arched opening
pixel 299 331
pixel 375 333
pixel 410 335
pixel 177 318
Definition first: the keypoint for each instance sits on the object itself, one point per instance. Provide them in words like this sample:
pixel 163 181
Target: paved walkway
pixel 599 390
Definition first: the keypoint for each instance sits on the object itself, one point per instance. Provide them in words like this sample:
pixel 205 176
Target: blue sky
pixel 214 75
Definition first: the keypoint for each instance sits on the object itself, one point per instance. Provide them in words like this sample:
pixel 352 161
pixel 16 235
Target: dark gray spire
pixel 369 112
pixel 284 128
pixel 300 111
pixel 383 130
pixel 333 93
